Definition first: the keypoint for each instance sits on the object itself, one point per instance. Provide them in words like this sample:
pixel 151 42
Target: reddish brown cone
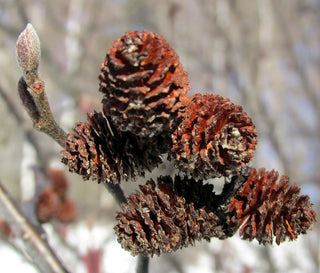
pixel 97 150
pixel 66 211
pixel 270 209
pixel 159 220
pixel 143 82
pixel 59 182
pixel 46 206
pixel 216 138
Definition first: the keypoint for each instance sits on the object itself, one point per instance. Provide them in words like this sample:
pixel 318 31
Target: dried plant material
pixel 28 53
pixel 52 203
pixel 269 209
pixel 59 183
pixel 6 230
pixel 216 138
pixel 66 211
pixel 46 206
pixel 143 82
pixel 157 220
pixel 97 150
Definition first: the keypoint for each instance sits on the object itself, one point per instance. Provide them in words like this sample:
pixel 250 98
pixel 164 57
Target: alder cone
pixel 215 138
pixel 98 151
pixel 143 83
pixel 6 230
pixel 66 211
pixel 158 220
pixel 59 182
pixel 269 209
pixel 46 206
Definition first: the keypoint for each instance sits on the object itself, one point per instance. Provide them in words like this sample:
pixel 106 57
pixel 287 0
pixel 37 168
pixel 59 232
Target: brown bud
pixel 27 100
pixel 28 53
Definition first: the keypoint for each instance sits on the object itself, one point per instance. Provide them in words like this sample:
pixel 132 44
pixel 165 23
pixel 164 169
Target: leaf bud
pixel 28 53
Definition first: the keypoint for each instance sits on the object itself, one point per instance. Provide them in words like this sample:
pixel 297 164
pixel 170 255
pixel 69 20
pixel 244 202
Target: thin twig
pixel 32 94
pixel 38 248
pixel 35 101
pixel 37 106
pixel 143 263
pixel 116 192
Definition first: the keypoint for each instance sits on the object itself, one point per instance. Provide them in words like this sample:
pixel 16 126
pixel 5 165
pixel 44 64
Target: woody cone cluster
pixel 268 208
pixel 53 202
pixel 158 219
pixel 215 138
pixel 143 83
pixel 146 115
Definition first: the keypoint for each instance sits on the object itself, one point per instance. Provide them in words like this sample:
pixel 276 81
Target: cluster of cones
pixel 147 113
pixel 53 202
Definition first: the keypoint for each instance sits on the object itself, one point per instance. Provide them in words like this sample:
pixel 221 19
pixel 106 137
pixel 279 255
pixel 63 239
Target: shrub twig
pixel 38 248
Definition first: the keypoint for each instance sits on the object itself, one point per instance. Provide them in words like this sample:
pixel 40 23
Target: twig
pixel 35 101
pixel 32 94
pixel 116 192
pixel 142 266
pixel 37 106
pixel 37 248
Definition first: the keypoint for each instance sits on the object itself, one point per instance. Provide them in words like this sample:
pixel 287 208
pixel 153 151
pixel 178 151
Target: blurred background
pixel 263 55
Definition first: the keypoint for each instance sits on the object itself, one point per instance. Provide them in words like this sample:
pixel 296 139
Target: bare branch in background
pixel 38 249
pixel 21 123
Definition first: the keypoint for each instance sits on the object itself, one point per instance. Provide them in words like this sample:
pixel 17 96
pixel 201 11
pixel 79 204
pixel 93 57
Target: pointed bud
pixel 28 53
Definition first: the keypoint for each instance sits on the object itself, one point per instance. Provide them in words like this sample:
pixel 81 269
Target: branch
pixel 35 101
pixel 116 192
pixel 37 248
pixel 32 94
pixel 142 266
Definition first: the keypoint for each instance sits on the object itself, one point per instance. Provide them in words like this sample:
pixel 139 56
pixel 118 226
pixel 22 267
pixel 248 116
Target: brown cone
pixel 97 150
pixel 158 220
pixel 143 82
pixel 46 206
pixel 66 211
pixel 216 138
pixel 269 209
